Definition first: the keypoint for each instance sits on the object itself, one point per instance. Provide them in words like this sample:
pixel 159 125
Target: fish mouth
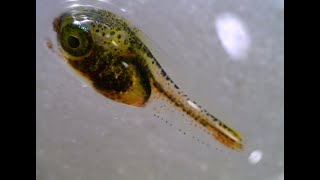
pixel 56 24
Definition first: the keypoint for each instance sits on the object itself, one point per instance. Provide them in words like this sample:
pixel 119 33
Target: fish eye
pixel 75 39
pixel 73 42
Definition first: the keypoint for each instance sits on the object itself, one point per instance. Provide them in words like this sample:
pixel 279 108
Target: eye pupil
pixel 73 42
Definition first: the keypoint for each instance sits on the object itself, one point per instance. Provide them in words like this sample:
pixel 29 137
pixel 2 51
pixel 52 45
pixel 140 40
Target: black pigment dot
pixel 97 30
pixel 119 36
pixel 103 34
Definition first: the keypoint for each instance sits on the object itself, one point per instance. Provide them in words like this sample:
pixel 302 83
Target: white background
pixel 226 55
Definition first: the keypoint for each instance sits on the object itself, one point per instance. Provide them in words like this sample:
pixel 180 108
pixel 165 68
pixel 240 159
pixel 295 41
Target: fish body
pixel 111 55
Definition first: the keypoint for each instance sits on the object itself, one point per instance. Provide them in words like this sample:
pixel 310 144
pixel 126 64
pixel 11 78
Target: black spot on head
pixel 130 49
pixel 132 41
pixel 149 54
pixel 103 34
pixel 97 30
pixel 163 72
pixel 119 36
pixel 93 25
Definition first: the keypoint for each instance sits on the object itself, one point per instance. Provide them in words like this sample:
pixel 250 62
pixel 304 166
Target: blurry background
pixel 226 55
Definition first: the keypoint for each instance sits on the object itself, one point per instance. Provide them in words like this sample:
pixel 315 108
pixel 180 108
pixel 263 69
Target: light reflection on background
pixel 255 157
pixel 233 36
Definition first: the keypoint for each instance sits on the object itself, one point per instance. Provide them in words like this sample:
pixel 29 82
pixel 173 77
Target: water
pixel 235 75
